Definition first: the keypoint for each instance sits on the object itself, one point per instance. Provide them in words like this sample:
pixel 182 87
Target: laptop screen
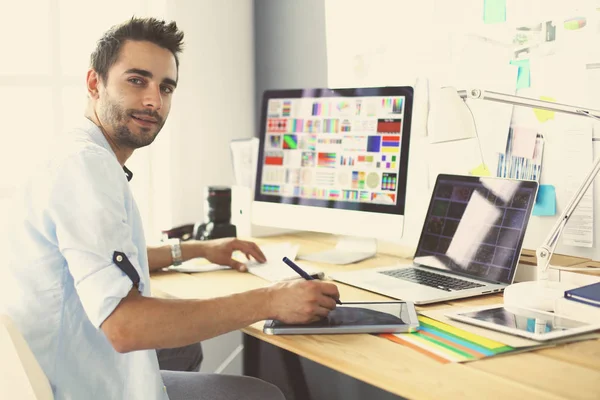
pixel 476 225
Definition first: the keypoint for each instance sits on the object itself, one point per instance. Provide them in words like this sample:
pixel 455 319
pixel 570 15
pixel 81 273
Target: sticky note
pixel 494 11
pixel 545 202
pixel 524 74
pixel 481 170
pixel 544 115
pixel 575 23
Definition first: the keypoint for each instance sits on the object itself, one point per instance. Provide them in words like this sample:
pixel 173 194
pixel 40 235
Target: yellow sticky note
pixel 481 170
pixel 544 115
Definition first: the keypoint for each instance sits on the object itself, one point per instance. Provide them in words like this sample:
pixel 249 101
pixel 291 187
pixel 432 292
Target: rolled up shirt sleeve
pixel 89 209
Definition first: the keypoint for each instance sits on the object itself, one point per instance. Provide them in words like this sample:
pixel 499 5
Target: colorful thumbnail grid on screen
pixel 334 148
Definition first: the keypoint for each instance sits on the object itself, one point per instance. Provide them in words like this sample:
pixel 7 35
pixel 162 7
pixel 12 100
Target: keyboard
pixel 431 279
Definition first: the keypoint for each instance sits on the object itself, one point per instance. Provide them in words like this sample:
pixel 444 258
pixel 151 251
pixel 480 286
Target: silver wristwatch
pixel 176 251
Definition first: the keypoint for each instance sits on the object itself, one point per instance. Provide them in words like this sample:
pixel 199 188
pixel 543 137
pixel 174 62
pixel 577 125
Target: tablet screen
pixel 360 314
pixel 524 320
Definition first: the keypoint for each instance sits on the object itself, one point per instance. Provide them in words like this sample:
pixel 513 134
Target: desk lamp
pixel 541 293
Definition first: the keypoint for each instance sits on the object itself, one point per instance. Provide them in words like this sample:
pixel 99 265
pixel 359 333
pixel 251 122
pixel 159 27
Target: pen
pixel 301 272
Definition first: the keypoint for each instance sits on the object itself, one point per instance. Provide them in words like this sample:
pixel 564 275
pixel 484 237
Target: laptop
pixel 470 242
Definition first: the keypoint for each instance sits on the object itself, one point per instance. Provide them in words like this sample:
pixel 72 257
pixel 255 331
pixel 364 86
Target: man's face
pixel 134 102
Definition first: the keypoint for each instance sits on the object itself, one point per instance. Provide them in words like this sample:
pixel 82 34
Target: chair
pixel 21 377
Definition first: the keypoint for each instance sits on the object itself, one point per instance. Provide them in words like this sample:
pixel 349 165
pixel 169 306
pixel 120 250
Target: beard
pixel 117 117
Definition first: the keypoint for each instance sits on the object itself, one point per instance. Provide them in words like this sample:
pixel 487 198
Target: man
pixel 78 265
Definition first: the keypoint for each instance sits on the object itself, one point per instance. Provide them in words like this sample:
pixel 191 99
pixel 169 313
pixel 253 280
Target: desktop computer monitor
pixel 335 161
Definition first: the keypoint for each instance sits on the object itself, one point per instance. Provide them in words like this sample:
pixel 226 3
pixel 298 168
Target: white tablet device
pixel 359 317
pixel 532 324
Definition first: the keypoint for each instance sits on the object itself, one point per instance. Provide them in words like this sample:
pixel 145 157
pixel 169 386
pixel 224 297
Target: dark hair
pixel 165 35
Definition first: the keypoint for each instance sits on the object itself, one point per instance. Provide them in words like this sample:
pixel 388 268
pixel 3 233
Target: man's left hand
pixel 219 251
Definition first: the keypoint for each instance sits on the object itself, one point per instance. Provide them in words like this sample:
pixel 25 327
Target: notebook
pixel 589 294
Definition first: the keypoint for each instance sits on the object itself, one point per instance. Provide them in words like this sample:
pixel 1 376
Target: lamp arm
pixel 526 102
pixel 545 251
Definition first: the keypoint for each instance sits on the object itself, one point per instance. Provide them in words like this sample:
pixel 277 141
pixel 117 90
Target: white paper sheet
pixel 197 265
pixel 577 158
pixel 449 118
pixel 275 270
pixel 244 156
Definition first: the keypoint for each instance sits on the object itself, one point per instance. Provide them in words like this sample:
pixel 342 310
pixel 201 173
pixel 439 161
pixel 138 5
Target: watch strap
pixel 176 251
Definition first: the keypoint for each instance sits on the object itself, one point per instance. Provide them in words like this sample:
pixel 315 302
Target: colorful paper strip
pixel 446 343
pixel 485 342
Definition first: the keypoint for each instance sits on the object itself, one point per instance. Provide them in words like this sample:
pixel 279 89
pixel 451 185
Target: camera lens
pixel 218 204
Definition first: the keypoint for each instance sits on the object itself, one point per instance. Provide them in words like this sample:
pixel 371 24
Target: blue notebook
pixel 589 294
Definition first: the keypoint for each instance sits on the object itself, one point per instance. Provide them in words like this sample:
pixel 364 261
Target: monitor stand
pixel 348 250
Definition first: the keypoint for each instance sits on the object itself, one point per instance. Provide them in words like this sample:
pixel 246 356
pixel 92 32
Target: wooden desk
pixel 565 372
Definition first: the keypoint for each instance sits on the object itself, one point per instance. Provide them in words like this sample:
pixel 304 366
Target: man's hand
pixel 219 251
pixel 300 301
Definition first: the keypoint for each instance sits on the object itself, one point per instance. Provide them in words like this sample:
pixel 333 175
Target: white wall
pixel 214 102
pixel 289 55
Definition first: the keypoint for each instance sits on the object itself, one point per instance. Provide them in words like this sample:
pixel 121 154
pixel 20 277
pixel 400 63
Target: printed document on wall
pixel 244 156
pixel 449 118
pixel 578 158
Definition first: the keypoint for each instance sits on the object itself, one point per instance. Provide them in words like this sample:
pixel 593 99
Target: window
pixel 46 45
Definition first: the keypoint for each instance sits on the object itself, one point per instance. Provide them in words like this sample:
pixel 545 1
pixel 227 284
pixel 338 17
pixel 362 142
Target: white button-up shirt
pixel 72 215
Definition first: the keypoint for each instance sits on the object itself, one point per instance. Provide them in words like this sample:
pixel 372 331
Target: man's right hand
pixel 300 301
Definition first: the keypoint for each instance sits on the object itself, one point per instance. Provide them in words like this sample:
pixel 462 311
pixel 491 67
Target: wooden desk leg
pixel 291 366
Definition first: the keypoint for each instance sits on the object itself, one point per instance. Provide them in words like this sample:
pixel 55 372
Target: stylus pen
pixel 302 273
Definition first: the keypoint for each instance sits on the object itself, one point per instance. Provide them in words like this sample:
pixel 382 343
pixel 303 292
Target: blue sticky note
pixel 545 202
pixel 524 74
pixel 494 11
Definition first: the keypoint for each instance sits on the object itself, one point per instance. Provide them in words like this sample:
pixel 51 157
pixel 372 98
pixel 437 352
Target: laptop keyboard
pixel 427 278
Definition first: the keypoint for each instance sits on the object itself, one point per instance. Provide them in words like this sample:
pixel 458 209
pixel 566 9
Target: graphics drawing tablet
pixel 355 317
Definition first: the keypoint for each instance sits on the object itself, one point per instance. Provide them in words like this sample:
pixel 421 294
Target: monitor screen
pixel 476 226
pixel 344 149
